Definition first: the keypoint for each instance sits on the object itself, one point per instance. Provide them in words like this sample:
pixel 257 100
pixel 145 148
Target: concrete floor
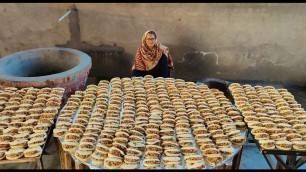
pixel 251 157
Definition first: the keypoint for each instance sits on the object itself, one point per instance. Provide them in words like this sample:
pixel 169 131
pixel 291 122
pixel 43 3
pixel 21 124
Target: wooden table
pixel 37 160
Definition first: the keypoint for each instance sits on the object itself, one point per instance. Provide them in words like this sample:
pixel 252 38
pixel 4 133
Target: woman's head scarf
pixel 146 58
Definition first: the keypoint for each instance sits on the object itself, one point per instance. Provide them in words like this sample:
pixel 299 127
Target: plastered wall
pixel 228 41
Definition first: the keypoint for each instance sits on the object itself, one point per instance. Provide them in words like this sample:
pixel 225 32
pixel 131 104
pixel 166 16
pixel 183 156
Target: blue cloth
pixel 160 70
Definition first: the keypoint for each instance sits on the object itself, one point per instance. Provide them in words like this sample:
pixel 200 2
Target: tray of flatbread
pixel 150 123
pixel 26 119
pixel 277 122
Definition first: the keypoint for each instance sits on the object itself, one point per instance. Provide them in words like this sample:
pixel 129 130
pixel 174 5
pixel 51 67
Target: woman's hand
pixel 171 71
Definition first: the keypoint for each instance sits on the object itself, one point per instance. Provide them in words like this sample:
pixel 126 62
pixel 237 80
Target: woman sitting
pixel 152 58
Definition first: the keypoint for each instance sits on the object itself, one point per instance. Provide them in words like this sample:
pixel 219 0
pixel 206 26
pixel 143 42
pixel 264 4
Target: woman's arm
pixel 171 71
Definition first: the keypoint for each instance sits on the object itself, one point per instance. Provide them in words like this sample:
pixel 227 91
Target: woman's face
pixel 150 40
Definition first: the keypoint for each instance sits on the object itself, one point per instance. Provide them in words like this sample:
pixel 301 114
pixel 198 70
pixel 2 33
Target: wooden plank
pixel 39 164
pixel 67 161
pixel 78 165
pixel 227 167
pixel 220 167
pixel 21 160
pixel 65 158
pixel 237 159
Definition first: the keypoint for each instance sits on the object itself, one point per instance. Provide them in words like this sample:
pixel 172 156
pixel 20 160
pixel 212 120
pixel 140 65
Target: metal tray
pixel 265 151
pixel 226 161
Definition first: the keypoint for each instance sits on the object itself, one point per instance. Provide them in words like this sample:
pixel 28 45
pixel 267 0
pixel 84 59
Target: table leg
pixel 78 165
pixel 65 158
pixel 279 166
pixel 60 153
pixel 300 162
pixel 68 161
pixel 237 159
pixel 291 161
pixel 39 164
pixel 227 167
pixel 280 163
pixel 220 167
pixel 268 160
pixel 48 138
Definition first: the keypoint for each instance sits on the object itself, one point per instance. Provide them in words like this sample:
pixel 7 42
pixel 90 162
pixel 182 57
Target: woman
pixel 152 58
